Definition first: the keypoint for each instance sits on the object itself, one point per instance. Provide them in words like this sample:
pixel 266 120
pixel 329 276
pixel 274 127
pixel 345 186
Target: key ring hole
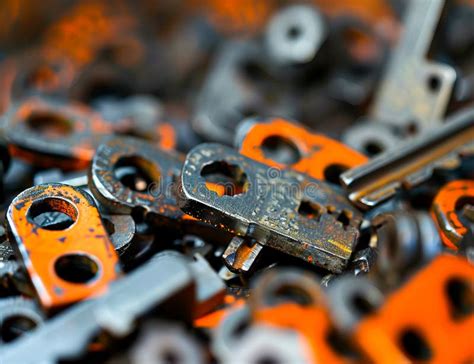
pixel 463 202
pixel 294 32
pixel 293 293
pixel 76 268
pixel 14 326
pixel 333 171
pixel 414 345
pixel 281 150
pixel 460 295
pixel 228 179
pixel 52 213
pixel 362 304
pixel 49 124
pixel 433 83
pixel 373 148
pixel 136 173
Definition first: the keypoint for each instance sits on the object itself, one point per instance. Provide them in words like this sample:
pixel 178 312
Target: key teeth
pixel 417 177
pixel 449 162
pixel 380 195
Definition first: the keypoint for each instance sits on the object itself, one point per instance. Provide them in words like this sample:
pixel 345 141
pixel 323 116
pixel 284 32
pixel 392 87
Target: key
pixel 415 92
pixel 128 174
pixel 282 209
pixel 55 134
pixel 68 261
pixel 280 143
pixel 409 329
pixel 413 163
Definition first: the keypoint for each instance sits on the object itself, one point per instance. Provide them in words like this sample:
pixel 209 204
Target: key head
pixel 283 209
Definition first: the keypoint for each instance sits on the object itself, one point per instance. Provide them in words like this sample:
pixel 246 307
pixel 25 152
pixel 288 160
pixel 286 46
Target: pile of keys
pixel 237 181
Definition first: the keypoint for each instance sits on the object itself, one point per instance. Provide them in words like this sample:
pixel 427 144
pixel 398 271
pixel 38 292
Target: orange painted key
pixel 430 319
pixel 57 231
pixel 280 143
pixel 446 210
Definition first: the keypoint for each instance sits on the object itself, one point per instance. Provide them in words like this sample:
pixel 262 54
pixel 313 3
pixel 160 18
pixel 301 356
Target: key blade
pixel 412 163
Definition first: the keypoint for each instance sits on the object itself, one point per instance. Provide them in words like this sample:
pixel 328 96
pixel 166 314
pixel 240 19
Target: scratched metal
pixel 268 210
pixel 161 167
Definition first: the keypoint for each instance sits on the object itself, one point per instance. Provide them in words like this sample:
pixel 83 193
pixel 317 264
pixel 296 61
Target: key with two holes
pixel 413 163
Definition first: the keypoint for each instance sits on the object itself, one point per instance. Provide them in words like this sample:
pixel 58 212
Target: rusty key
pixel 282 209
pixel 128 174
pixel 413 163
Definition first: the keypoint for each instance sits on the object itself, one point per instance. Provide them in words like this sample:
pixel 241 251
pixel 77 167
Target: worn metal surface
pixel 62 269
pixel 157 172
pixel 268 210
pixel 298 244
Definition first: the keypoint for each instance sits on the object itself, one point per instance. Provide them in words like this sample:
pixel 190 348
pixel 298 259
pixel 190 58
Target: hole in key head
pixel 230 177
pixel 414 345
pixel 412 128
pixel 433 83
pixel 293 293
pixel 341 344
pixel 344 217
pixel 267 358
pixel 280 149
pixel 43 75
pixel 310 209
pixel 49 124
pixel 373 148
pixel 333 171
pixel 170 355
pixel 136 173
pixel 52 213
pixel 294 32
pixel 76 268
pixel 460 295
pixel 14 326
pixel 362 305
